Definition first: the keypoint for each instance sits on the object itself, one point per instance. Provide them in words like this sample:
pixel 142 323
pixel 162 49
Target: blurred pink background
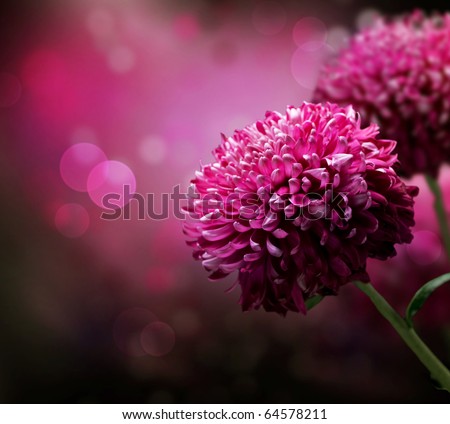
pixel 96 310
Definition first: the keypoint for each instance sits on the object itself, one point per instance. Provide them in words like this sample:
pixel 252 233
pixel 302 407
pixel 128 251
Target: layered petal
pixel 305 198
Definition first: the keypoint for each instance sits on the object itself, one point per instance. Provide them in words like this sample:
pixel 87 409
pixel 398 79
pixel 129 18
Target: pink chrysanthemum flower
pixel 398 75
pixel 296 203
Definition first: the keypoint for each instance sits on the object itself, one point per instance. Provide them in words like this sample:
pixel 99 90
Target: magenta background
pixel 117 311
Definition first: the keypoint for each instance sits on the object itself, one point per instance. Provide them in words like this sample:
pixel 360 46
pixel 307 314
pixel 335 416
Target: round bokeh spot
pixel 310 33
pixel 77 162
pixel 111 184
pixel 158 339
pixel 306 65
pixel 72 220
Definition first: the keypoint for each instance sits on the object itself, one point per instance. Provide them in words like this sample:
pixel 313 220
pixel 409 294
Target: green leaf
pixel 313 301
pixel 422 295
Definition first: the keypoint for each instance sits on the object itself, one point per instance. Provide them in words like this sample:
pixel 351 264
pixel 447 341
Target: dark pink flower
pixel 296 203
pixel 398 75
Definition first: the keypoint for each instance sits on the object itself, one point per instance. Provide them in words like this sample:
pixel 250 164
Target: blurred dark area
pixel 95 311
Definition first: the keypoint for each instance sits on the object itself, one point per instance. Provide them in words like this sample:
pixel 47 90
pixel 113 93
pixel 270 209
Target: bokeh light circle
pixel 158 338
pixel 153 150
pixel 72 220
pixel 338 37
pixel 111 184
pixel 77 162
pixel 310 33
pixel 306 65
pixel 425 249
pixel 269 18
pixel 128 328
pixel 10 89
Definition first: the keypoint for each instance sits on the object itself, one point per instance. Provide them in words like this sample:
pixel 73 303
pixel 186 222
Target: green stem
pixel 440 211
pixel 437 369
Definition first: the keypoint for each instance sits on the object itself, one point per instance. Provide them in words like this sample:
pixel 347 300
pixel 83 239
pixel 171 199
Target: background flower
pixel 397 73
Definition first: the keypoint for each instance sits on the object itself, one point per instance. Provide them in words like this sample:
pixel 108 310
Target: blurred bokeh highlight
pixel 101 93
